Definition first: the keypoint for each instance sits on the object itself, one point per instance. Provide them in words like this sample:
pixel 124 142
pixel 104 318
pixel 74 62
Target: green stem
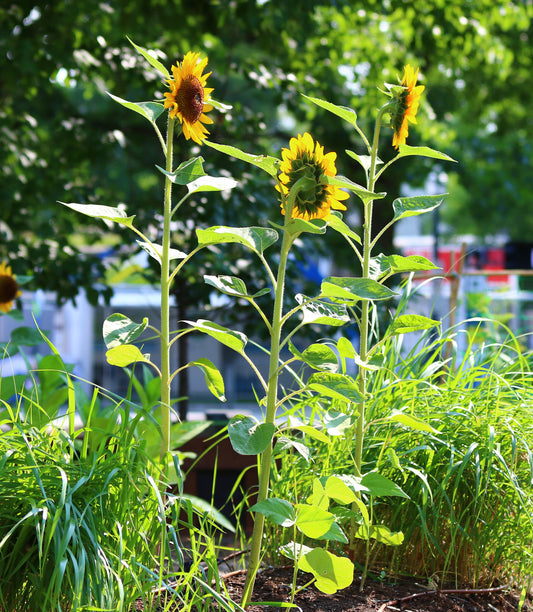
pixel 265 458
pixel 165 293
pixel 365 310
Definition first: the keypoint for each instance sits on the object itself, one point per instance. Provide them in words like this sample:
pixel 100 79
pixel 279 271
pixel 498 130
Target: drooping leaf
pixel 97 211
pixel 312 432
pixel 248 436
pixel 380 533
pixel 148 110
pixel 336 423
pixel 416 205
pixel 335 221
pixel 26 336
pixel 285 443
pixel 332 573
pixel 348 288
pixel 339 491
pixel 336 386
pixel 364 160
pixel 299 226
pixel 320 312
pixel 266 163
pixel 119 329
pixel 213 378
pixel 279 511
pixel 156 251
pixel 256 238
pixel 233 339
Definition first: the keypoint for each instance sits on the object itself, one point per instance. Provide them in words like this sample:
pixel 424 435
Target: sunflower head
pixel 9 289
pixel 188 98
pixel 405 101
pixel 305 168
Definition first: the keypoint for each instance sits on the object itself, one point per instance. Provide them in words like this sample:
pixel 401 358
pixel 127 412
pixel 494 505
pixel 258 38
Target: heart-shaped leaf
pixel 119 329
pixel 248 436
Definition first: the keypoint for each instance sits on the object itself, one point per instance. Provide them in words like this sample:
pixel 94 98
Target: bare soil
pixel 273 585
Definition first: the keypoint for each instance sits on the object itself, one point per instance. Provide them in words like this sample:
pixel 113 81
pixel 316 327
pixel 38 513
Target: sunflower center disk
pixel 190 99
pixel 311 197
pixel 8 288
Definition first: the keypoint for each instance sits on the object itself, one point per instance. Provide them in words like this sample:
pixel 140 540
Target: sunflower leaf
pixel 336 386
pixel 232 285
pixel 343 112
pixel 383 265
pixel 364 160
pixel 335 221
pixel 265 162
pixel 117 215
pixel 118 329
pixel 313 226
pixel 345 183
pixel 348 288
pixel 151 59
pixel 416 205
pixel 156 251
pixel 256 238
pixel 320 312
pixel 187 172
pixel 213 378
pixel 404 324
pixel 232 339
pixel 149 110
pixel 211 183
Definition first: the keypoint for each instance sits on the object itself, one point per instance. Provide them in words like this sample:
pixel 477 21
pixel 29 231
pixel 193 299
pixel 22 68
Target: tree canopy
pixel 63 138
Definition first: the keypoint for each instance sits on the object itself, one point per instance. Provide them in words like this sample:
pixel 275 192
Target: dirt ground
pixel 408 596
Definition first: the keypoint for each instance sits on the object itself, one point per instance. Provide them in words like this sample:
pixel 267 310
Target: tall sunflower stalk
pixel 305 195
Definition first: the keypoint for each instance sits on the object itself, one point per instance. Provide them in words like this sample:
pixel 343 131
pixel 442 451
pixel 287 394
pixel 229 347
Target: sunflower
pixel 406 98
pixel 9 289
pixel 315 198
pixel 188 98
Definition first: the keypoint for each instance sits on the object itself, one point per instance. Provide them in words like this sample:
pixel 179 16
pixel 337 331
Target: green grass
pixel 470 479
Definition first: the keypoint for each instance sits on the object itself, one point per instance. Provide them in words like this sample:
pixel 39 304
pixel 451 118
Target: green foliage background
pixel 62 138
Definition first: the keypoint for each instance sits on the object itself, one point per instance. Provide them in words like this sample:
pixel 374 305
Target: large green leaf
pixel 109 213
pixel 256 238
pixel 279 511
pixel 313 521
pixel 148 110
pixel 27 336
pixel 318 356
pixel 335 386
pixel 232 285
pixel 11 386
pixel 320 312
pixel 348 288
pixel 416 205
pixel 383 265
pixel 124 355
pixel 406 150
pixel 345 183
pixel 381 486
pixel 380 533
pixel 248 436
pixel 332 573
pixel 186 172
pixel 232 339
pixel 152 60
pixel 211 183
pixel 119 329
pixel 343 112
pixel 404 324
pixel 266 163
